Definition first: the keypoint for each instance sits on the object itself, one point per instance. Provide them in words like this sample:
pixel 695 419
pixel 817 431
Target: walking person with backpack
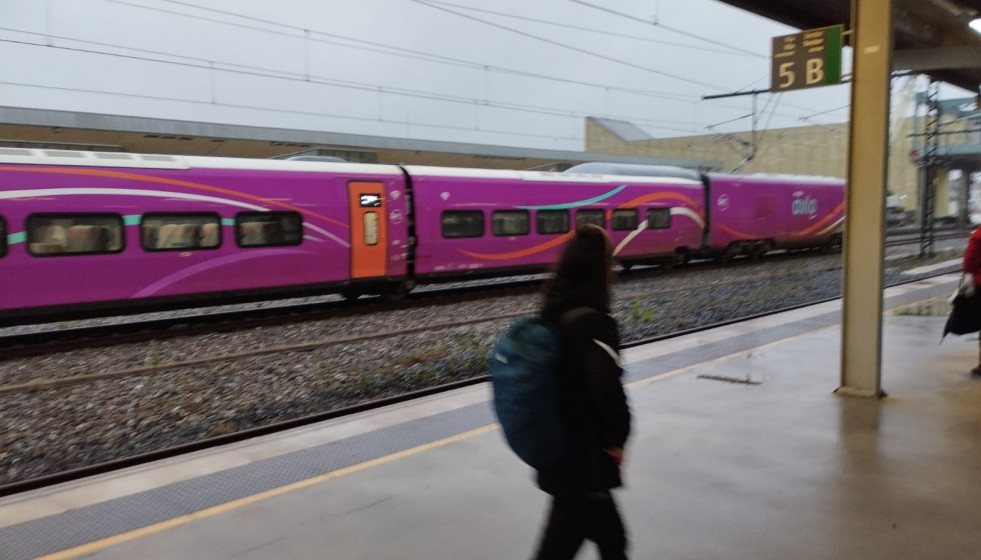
pixel 592 406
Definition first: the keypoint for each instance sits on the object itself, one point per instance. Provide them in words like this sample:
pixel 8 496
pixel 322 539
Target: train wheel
pixel 681 256
pixel 760 249
pixel 730 252
pixel 398 290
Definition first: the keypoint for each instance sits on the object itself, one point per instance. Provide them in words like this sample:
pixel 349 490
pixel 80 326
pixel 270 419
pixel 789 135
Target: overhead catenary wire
pixel 397 50
pixel 393 50
pixel 589 29
pixel 766 127
pixel 658 24
pixel 807 117
pixel 570 47
pixel 289 111
pixel 204 64
pixel 669 28
pixel 272 73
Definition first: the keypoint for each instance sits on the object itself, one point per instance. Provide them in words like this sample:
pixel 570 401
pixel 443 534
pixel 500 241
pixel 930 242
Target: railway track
pixel 900 239
pixel 57 340
pixel 50 383
pixel 172 451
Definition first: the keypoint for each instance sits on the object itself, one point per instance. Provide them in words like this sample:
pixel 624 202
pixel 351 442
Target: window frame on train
pixel 499 217
pixel 32 227
pixel 180 219
pixel 591 211
pixel 630 214
pixel 470 232
pixel 3 237
pixel 653 223
pixel 243 218
pixel 544 222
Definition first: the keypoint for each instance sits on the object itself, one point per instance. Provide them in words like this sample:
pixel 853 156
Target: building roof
pixel 625 131
pixel 31 128
pixel 930 36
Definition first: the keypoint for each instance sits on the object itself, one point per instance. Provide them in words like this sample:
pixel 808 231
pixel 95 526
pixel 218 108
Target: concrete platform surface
pixel 743 455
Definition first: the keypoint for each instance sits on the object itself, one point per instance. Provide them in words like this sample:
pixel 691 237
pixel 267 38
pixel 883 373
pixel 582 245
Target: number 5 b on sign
pixel 807 59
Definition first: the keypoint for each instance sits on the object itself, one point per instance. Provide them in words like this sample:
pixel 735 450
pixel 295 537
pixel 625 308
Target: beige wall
pixel 809 150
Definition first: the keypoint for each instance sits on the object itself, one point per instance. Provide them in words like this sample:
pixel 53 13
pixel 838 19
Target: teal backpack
pixel 524 371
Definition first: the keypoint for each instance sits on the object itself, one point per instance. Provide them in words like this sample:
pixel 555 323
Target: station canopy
pixel 931 37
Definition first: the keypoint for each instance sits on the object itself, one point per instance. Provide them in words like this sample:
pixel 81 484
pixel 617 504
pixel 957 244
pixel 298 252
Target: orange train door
pixel 369 235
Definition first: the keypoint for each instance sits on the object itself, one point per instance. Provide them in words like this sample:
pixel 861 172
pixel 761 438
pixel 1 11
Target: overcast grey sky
pixel 511 72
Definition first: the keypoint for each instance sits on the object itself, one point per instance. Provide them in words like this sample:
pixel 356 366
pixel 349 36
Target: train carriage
pixel 753 214
pixel 85 234
pixel 86 231
pixel 478 222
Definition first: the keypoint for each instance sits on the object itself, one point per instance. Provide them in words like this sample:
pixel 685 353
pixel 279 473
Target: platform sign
pixel 807 59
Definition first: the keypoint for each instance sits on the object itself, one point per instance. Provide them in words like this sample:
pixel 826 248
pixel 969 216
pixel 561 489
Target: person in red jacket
pixel 972 267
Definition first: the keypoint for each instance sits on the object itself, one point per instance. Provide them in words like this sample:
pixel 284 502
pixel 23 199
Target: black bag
pixel 965 315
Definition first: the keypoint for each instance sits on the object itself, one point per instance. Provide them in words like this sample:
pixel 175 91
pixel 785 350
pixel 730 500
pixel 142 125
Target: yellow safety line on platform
pixel 209 512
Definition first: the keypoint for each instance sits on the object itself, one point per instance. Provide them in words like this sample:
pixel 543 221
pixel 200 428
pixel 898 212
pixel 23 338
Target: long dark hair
pixel 583 271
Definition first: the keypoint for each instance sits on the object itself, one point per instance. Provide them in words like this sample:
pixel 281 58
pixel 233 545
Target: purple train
pixel 85 233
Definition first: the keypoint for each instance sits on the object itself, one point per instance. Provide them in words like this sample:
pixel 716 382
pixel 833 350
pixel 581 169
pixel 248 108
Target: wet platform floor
pixel 741 450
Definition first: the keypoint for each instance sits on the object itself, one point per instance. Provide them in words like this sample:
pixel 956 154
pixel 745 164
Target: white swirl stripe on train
pixel 155 194
pixel 675 211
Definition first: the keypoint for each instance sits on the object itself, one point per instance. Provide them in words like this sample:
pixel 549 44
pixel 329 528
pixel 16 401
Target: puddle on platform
pixel 933 307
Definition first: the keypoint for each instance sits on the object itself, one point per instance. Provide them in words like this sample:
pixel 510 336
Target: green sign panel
pixel 807 59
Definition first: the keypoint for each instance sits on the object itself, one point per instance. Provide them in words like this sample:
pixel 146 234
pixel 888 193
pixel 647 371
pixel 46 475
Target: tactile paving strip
pixel 100 521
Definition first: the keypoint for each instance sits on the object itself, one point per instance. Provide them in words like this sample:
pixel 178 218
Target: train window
pixel 510 222
pixel 74 234
pixel 268 229
pixel 371 228
pixel 180 232
pixel 591 217
pixel 659 218
pixel 553 221
pixel 625 219
pixel 3 237
pixel 463 223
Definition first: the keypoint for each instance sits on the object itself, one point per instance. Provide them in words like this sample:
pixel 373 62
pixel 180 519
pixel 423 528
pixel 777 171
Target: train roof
pixel 594 171
pixel 635 170
pixel 424 171
pixel 163 161
pixel 780 177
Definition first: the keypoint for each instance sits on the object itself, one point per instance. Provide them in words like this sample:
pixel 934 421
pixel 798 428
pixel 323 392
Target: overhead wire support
pixel 929 169
pixel 747 148
pixel 734 94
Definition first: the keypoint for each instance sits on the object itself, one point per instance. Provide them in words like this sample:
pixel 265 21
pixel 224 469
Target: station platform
pixel 740 450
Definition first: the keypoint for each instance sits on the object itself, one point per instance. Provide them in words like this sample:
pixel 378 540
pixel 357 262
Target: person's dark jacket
pixel 592 403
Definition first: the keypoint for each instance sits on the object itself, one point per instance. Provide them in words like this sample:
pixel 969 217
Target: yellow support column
pixel 861 341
